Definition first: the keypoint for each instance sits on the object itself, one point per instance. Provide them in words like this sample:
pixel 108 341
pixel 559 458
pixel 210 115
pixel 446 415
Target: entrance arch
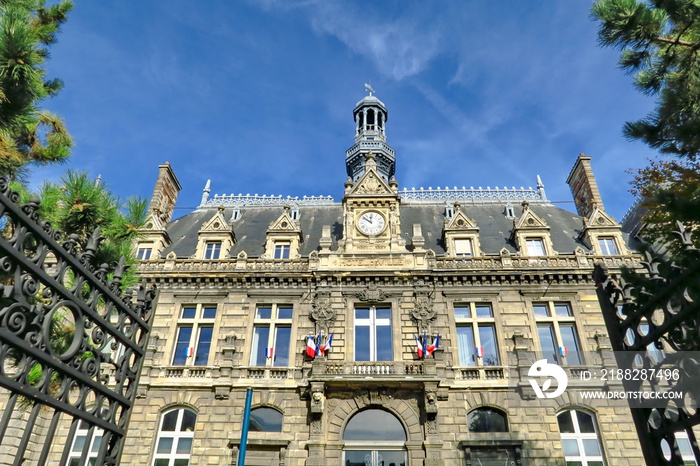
pixel 374 437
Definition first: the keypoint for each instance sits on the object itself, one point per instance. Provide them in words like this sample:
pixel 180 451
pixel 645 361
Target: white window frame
pixel 81 431
pixel 144 251
pixel 176 435
pixel 212 250
pixel 580 437
pixel 474 322
pixel 605 243
pixel 272 323
pixel 461 242
pixel 284 248
pixel 196 323
pixel 681 438
pixel 373 322
pixel 556 322
pixel 530 241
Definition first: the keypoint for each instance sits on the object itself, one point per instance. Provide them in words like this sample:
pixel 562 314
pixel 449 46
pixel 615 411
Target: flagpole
pixel 244 430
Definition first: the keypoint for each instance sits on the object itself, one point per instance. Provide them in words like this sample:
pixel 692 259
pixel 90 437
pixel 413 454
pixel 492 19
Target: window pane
pixel 188 312
pixel 535 247
pixel 585 422
pixel 465 342
pixel 570 447
pixel 462 312
pixel 284 313
pixel 184 445
pixel 96 442
pixel 562 310
pixel 79 443
pixel 591 447
pixel 541 310
pixel 570 341
pixel 608 246
pixel 188 420
pixel 388 457
pixel 487 335
pixel 486 420
pixel 169 421
pixel 182 345
pixel 383 343
pixel 362 313
pixel 374 424
pixel 263 312
pixel 165 445
pixel 362 343
pixel 209 313
pixel 463 247
pixel 257 353
pixel 283 336
pixel 161 462
pixel 265 420
pixel 566 425
pixel 181 462
pixel 547 345
pixel 384 313
pixel 483 310
pixel 203 346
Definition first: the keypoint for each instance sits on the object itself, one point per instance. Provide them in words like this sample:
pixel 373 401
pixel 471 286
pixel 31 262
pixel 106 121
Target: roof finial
pixel 369 89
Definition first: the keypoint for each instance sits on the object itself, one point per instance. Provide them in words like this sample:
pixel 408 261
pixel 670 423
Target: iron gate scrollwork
pixel 657 314
pixel 72 342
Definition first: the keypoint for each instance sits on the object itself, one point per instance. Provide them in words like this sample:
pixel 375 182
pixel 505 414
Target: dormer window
pixel 535 247
pixel 449 211
pixel 236 214
pixel 608 246
pixel 282 250
pixel 295 213
pixel 212 250
pixel 144 251
pixel 509 211
pixel 464 248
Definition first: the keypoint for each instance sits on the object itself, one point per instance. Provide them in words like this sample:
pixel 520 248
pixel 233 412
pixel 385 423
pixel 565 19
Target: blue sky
pixel 258 96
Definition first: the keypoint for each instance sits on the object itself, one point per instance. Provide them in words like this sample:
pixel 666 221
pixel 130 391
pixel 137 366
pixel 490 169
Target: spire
pixel 205 192
pixel 370 117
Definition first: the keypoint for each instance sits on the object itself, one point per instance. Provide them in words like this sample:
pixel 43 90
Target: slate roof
pixel 494 227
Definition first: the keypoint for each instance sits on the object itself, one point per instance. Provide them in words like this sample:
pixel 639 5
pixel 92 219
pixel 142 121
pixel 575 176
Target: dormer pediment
pixel 284 223
pixel 460 222
pixel 530 220
pixel 216 224
pixel 152 222
pixel 599 219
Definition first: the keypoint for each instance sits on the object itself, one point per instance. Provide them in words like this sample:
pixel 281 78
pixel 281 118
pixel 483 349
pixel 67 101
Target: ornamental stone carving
pixel 372 294
pixel 423 310
pixel 322 313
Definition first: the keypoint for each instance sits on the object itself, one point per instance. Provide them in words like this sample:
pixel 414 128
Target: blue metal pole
pixel 244 430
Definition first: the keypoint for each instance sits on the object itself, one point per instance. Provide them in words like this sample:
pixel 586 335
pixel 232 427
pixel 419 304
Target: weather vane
pixel 369 89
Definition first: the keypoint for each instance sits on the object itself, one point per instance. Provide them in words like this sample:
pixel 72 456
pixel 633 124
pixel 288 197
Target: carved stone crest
pixel 423 311
pixel 322 313
pixel 372 294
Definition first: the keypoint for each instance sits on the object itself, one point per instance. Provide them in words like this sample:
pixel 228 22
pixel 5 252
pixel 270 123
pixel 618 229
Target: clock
pixel 371 223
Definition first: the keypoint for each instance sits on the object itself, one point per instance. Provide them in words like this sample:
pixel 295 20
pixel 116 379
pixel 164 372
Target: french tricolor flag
pixel 325 348
pixel 480 351
pixel 563 351
pixel 269 352
pixel 420 348
pixel 190 351
pixel 310 347
pixel 436 344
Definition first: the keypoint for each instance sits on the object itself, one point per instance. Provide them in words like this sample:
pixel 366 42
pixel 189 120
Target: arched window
pixel 579 438
pixel 175 435
pixel 374 437
pixel 487 420
pixel 265 420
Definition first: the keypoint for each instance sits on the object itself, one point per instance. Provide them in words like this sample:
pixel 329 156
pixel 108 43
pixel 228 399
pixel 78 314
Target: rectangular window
pixel 143 253
pixel 282 250
pixel 477 339
pixel 463 248
pixel 272 336
pixel 608 247
pixel 80 438
pixel 556 329
pixel 373 340
pixel 535 247
pixel 212 250
pixel 195 330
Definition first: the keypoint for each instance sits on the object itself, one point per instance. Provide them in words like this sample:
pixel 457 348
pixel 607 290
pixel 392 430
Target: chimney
pixel 165 193
pixel 584 187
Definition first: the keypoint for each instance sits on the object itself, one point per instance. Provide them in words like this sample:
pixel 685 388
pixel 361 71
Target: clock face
pixel 371 223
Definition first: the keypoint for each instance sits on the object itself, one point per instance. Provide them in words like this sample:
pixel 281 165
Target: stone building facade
pixel 503 276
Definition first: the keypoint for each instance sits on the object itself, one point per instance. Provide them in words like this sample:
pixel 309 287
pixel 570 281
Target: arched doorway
pixel 374 437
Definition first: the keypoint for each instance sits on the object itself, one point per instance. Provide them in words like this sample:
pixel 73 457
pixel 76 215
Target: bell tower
pixel 370 135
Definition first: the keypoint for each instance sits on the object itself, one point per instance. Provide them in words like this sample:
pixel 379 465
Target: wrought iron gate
pixel 659 312
pixel 71 343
